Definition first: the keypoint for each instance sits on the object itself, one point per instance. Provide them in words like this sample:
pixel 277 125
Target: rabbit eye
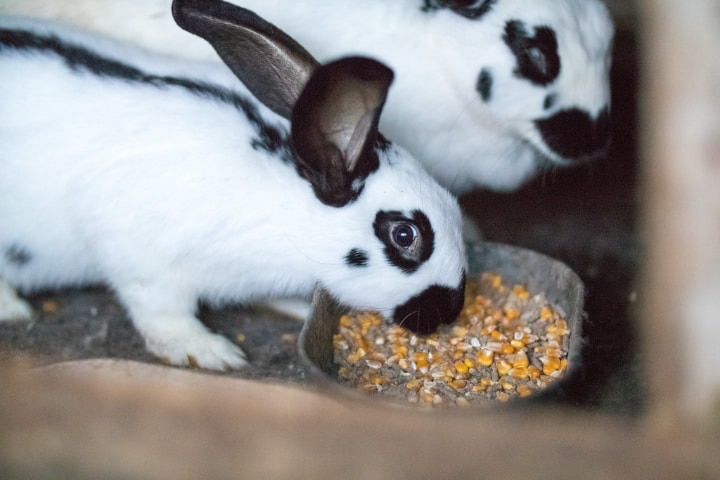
pixel 408 239
pixel 404 235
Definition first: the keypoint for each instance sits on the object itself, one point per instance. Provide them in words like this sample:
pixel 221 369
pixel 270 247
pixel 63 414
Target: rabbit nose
pixel 574 135
pixel 435 305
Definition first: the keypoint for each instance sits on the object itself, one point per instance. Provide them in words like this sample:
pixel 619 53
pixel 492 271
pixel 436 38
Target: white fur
pixel 435 110
pixel 159 194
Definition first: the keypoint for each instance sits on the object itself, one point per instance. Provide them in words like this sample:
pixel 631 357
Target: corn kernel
pixel 346 321
pixel 524 390
pixel 521 359
pixel 495 280
pixel 550 364
pixel 414 383
pixel 485 357
pixel 458 384
pixel 459 332
pixel 427 396
pixel 518 372
pixel 50 307
pixel 460 367
pixel 400 350
pixel 512 313
pixel 521 292
pixel 420 356
pixel 533 372
pixel 503 367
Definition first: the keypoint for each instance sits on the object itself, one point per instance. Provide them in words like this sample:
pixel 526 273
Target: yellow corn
pixel 524 390
pixel 503 367
pixel 485 357
pixel 460 367
pixel 521 359
pixel 518 372
pixel 521 292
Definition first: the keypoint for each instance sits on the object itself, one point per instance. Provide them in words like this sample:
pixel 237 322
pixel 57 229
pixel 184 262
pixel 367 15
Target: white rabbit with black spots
pixel 488 93
pixel 171 181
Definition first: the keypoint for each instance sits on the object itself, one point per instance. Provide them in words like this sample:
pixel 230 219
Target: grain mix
pixel 507 342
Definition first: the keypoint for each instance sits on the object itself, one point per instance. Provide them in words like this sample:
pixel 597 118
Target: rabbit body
pixel 487 95
pixel 169 182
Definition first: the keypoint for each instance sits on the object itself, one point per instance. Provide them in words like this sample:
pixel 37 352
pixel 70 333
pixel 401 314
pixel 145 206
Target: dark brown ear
pixel 273 66
pixel 335 127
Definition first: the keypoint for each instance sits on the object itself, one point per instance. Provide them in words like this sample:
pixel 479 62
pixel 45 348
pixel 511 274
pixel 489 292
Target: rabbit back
pixel 86 155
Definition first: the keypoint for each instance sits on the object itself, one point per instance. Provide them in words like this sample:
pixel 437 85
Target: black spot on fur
pixel 357 258
pixel 472 9
pixel 537 57
pixel 269 137
pixel 426 311
pixel 485 84
pixel 18 255
pixel 550 100
pixel 406 259
pixel 574 135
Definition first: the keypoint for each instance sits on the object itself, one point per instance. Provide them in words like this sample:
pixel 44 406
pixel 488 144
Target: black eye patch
pixel 472 9
pixel 537 57
pixel 409 241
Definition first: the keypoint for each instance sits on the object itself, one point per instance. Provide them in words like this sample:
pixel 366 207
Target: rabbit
pixel 489 93
pixel 126 168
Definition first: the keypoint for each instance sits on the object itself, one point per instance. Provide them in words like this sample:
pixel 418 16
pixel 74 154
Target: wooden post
pixel 681 168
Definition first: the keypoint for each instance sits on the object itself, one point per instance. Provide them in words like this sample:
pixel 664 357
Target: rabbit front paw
pixel 185 342
pixel 12 307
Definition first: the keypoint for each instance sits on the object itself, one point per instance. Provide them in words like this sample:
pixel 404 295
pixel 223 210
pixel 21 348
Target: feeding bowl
pixel 516 361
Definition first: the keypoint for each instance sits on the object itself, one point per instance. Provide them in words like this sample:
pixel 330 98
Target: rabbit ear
pixel 273 66
pixel 335 127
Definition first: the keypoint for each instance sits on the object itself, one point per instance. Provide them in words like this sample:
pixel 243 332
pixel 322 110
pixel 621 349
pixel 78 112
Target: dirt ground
pixel 585 217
